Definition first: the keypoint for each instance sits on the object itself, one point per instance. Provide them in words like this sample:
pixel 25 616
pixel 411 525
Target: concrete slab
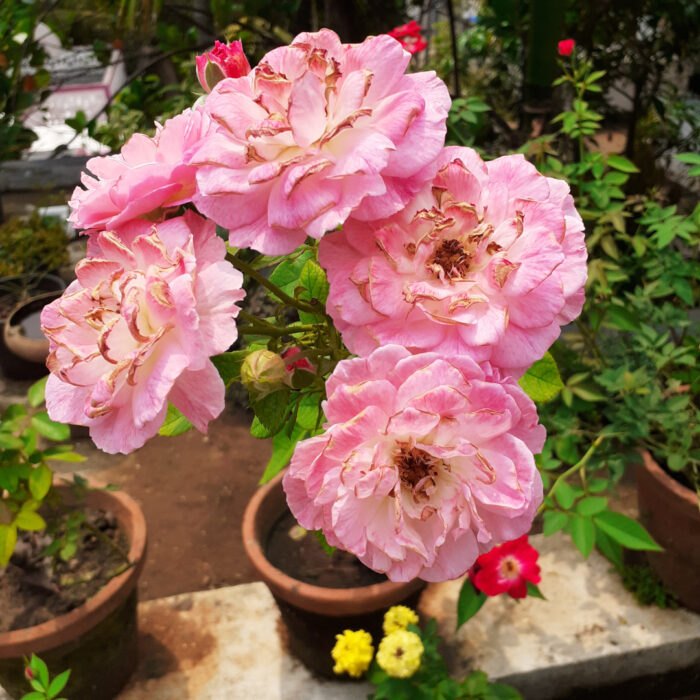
pixel 223 645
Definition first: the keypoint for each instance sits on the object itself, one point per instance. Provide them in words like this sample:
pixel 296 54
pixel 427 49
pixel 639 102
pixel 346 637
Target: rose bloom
pixel 426 461
pixel 145 178
pixel 507 569
pixel 223 61
pixel 566 46
pixel 489 260
pixel 409 36
pixel 317 129
pixel 136 330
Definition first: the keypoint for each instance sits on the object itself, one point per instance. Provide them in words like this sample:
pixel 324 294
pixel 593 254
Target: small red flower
pixel 566 46
pixel 507 569
pixel 409 36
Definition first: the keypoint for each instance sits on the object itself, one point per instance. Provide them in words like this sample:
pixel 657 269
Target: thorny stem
pixel 579 466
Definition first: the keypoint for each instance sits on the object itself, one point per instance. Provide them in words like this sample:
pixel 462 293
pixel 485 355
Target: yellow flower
pixel 399 653
pixel 398 618
pixel 352 652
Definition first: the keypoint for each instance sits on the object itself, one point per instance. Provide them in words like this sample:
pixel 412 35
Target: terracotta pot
pixel 22 357
pixel 314 615
pixel 98 640
pixel 670 512
pixel 31 349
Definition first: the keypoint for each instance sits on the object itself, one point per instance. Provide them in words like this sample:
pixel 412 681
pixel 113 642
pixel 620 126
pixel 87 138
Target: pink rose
pixel 137 328
pixel 426 462
pixel 224 61
pixel 489 260
pixel 147 177
pixel 409 36
pixel 316 131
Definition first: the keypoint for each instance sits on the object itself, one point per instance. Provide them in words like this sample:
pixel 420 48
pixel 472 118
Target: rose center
pixel 418 471
pixel 510 568
pixel 451 256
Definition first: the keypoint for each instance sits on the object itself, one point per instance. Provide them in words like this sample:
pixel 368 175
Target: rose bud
pixel 225 61
pixel 262 373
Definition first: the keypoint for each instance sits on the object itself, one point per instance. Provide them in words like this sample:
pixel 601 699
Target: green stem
pixel 581 464
pixel 249 270
pixel 260 325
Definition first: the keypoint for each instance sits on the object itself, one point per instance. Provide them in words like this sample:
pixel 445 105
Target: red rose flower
pixel 566 46
pixel 507 569
pixel 409 36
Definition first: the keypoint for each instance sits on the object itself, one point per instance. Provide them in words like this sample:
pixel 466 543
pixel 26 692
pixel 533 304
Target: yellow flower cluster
pixel 400 653
pixel 352 652
pixel 399 617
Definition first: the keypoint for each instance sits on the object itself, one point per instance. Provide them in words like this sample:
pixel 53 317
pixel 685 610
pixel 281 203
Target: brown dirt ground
pixel 193 489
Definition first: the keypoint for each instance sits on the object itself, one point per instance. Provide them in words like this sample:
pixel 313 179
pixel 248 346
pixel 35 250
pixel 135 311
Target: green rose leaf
pixel 174 424
pixel 469 602
pixel 628 532
pixel 583 534
pixel 282 450
pixel 50 429
pixel 542 381
pixel 36 392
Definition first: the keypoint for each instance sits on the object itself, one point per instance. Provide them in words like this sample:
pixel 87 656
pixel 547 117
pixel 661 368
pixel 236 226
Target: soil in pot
pixel 34 589
pixel 93 625
pixel 310 636
pixel 300 555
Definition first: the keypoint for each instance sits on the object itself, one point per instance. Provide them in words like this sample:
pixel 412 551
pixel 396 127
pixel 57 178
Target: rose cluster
pixel 448 277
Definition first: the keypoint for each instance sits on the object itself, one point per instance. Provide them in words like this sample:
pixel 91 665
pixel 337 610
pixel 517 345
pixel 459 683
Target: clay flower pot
pixel 670 512
pixel 314 615
pixel 23 349
pixel 97 640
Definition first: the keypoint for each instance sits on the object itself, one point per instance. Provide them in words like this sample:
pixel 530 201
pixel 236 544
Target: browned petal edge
pixel 668 482
pixel 262 510
pixel 77 622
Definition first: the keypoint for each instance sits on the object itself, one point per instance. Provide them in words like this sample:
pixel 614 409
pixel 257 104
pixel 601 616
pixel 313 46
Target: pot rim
pixel 29 349
pixel 668 482
pixel 73 624
pixel 335 601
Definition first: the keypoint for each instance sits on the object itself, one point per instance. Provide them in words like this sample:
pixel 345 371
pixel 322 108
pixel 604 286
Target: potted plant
pixel 31 250
pixel 71 557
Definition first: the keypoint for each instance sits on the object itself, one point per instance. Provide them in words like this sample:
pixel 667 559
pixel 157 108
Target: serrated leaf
pixel 258 430
pixel 591 505
pixel 554 521
pixel 28 520
pixel 175 423
pixel 469 602
pixel 271 410
pixel 8 540
pixel 40 481
pixel 629 533
pixel 282 450
pixel 36 392
pixel 286 274
pixel 313 279
pixel 583 534
pixel 565 495
pixel 610 549
pixel 542 381
pixel 622 164
pixel 50 429
pixel 228 364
